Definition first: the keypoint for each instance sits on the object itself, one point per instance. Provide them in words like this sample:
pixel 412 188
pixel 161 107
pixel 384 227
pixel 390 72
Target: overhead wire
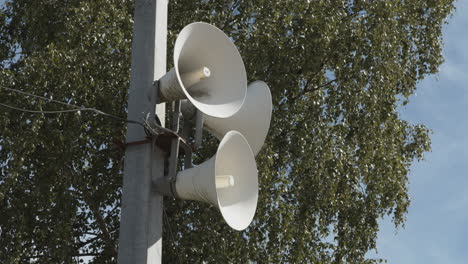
pixel 46 111
pixel 38 96
pixel 76 108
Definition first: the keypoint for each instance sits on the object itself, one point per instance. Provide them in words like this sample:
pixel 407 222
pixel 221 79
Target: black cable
pixel 38 96
pixel 77 108
pixel 46 112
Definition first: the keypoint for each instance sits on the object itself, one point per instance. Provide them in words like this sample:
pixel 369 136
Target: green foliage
pixel 336 159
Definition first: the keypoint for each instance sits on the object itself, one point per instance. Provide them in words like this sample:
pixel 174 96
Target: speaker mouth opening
pixel 239 202
pixel 203 45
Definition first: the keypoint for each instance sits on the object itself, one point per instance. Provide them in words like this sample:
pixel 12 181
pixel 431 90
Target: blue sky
pixel 436 228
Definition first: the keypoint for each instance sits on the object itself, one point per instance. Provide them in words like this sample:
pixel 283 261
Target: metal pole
pixel 141 218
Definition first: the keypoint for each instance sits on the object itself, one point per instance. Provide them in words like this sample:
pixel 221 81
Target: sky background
pixel 436 229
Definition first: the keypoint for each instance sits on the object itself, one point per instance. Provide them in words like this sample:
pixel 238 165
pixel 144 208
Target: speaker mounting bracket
pixel 198 129
pixel 174 144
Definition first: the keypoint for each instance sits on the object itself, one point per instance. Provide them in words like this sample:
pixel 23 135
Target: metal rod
pixel 186 132
pixel 198 129
pixel 174 157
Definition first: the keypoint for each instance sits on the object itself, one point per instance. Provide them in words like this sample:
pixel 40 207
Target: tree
pixel 336 159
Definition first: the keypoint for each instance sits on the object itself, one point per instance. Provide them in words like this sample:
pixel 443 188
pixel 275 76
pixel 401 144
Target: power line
pixel 38 96
pixel 149 127
pixel 77 108
pixel 46 112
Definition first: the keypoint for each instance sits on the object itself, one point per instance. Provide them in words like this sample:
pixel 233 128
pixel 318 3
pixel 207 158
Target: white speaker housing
pixel 252 120
pixel 208 71
pixel 235 162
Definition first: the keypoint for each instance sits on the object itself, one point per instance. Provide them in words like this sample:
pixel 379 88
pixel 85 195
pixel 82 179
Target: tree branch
pixel 308 90
pixel 99 218
pixel 94 207
pixel 229 8
pixel 84 243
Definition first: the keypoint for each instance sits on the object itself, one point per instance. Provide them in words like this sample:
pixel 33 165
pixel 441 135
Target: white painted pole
pixel 141 218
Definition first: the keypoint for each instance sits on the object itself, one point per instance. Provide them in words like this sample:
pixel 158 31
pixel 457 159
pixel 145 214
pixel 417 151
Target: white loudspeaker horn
pixel 228 180
pixel 252 120
pixel 208 71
